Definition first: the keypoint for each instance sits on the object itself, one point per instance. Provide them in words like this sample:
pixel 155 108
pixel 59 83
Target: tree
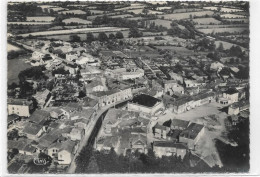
pixel 134 32
pixel 90 38
pixel 82 94
pixel 220 47
pixel 145 11
pixel 13 134
pixel 102 37
pixel 119 35
pixel 111 36
pixel 92 166
pixel 74 38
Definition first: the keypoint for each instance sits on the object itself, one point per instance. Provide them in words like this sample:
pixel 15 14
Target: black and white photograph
pixel 128 87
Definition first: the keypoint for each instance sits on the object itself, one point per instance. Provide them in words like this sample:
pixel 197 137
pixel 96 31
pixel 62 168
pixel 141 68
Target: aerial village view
pixel 128 87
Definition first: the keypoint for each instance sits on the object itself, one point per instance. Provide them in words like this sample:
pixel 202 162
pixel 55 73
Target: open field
pixel 78 12
pixel 96 11
pixel 206 21
pixel 164 23
pixel 130 7
pixel 28 23
pixel 231 16
pixel 245 20
pixel 221 30
pixel 73 31
pixel 223 9
pixel 186 10
pixel 180 16
pixel 202 26
pixel 163 8
pixel 122 16
pixel 139 11
pixel 40 19
pixel 66 37
pixel 15 66
pixel 227 45
pixel 11 47
pixel 76 20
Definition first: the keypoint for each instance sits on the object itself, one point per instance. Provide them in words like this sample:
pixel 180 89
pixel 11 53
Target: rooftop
pixel 169 144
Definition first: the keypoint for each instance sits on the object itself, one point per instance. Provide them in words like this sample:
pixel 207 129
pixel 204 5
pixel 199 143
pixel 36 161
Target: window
pixel 13 108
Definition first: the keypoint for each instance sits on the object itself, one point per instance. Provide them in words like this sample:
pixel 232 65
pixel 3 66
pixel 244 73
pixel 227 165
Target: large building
pixel 112 96
pixel 146 104
pixel 20 107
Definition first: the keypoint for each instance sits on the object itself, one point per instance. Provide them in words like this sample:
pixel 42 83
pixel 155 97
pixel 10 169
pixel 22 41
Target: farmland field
pixel 223 9
pixel 96 11
pixel 76 20
pixel 121 16
pixel 206 21
pixel 186 10
pixel 227 45
pixel 180 16
pixel 221 30
pixel 66 37
pixel 163 8
pixel 73 31
pixel 40 19
pixel 28 23
pixel 11 47
pixel 130 7
pixel 222 26
pixel 79 12
pixel 245 20
pixel 139 11
pixel 231 16
pixel 164 23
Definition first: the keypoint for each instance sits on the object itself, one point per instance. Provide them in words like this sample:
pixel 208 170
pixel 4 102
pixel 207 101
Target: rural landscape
pixel 128 87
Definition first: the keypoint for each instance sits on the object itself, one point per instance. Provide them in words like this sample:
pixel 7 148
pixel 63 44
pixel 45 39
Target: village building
pixel 232 95
pixel 236 108
pixel 112 96
pixel 192 134
pixel 161 131
pixel 20 107
pixel 34 131
pixel 77 134
pixel 42 97
pixel 146 104
pixel 22 145
pixel 166 148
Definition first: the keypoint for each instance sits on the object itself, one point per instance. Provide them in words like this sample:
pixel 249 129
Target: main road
pixel 92 131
